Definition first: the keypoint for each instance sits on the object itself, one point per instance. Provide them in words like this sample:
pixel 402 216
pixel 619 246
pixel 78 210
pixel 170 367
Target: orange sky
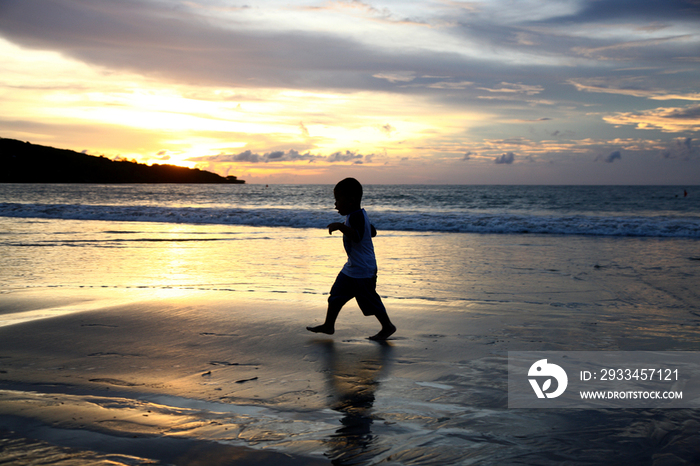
pixel 391 92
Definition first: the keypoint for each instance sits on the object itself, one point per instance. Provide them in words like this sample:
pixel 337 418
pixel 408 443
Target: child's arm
pixel 354 229
pixel 346 230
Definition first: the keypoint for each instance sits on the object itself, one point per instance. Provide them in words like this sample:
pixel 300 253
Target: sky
pixel 435 92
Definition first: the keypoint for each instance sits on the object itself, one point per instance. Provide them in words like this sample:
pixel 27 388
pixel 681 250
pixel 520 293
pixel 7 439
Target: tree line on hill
pixel 22 162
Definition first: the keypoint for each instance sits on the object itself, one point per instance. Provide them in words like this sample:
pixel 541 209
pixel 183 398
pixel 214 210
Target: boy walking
pixel 358 278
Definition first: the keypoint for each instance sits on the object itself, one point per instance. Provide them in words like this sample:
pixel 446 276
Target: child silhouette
pixel 358 278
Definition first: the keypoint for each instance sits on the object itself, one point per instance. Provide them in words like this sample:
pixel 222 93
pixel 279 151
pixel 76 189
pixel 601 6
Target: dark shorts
pixel 362 289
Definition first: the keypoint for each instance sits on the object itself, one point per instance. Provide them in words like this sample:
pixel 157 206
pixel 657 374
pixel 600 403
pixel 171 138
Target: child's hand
pixel 335 227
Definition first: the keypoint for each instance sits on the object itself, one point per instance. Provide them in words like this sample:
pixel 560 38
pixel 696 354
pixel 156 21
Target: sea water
pixel 447 244
pixel 649 211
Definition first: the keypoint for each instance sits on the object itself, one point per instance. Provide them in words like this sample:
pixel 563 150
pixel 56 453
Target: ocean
pixel 437 243
pixel 649 211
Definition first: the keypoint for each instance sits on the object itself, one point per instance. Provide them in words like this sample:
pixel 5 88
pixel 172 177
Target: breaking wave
pixel 391 220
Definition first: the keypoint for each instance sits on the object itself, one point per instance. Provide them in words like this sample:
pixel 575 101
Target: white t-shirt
pixel 361 261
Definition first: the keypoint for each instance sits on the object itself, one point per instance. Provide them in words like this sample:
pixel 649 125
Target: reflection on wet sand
pixel 352 378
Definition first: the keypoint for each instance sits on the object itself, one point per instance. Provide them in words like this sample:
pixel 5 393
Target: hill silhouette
pixel 22 162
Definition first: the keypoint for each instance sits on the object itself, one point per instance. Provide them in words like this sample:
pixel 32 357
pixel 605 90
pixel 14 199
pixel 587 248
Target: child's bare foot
pixel 321 329
pixel 383 334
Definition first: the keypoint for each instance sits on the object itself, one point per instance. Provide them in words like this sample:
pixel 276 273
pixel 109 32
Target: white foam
pixel 459 222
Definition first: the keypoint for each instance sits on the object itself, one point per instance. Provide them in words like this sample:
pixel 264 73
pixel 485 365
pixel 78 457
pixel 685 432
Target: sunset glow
pixel 392 92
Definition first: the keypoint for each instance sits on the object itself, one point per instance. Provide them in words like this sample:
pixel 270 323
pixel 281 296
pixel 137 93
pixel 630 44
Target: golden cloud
pixel 668 120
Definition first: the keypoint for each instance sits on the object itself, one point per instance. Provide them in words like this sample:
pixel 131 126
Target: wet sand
pixel 187 377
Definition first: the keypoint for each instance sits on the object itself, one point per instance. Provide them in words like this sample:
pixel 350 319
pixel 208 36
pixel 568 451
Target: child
pixel 358 278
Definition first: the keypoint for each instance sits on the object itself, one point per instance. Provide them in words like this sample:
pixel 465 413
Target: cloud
pixel 183 44
pixel 246 156
pixel 290 155
pixel 254 157
pixel 647 10
pixel 349 156
pixel 225 47
pixel 604 85
pixel 533 120
pixel 668 120
pixel 610 158
pixel 396 76
pixel 681 148
pixel 451 85
pixel 387 129
pixel 519 88
pixel 303 129
pixel 514 141
pixel 156 39
pixel 634 49
pixel 630 86
pixel 162 156
pixel 363 9
pixel 507 158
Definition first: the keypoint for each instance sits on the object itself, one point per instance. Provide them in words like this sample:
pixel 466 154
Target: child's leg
pixel 371 304
pixel 388 328
pixel 341 293
pixel 328 326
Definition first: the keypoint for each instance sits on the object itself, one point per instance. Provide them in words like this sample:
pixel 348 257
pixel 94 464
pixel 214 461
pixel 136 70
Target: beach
pixel 172 374
pixel 201 375
pixel 136 342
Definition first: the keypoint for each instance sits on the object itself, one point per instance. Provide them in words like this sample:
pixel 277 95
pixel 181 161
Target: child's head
pixel 348 195
pixel 349 188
